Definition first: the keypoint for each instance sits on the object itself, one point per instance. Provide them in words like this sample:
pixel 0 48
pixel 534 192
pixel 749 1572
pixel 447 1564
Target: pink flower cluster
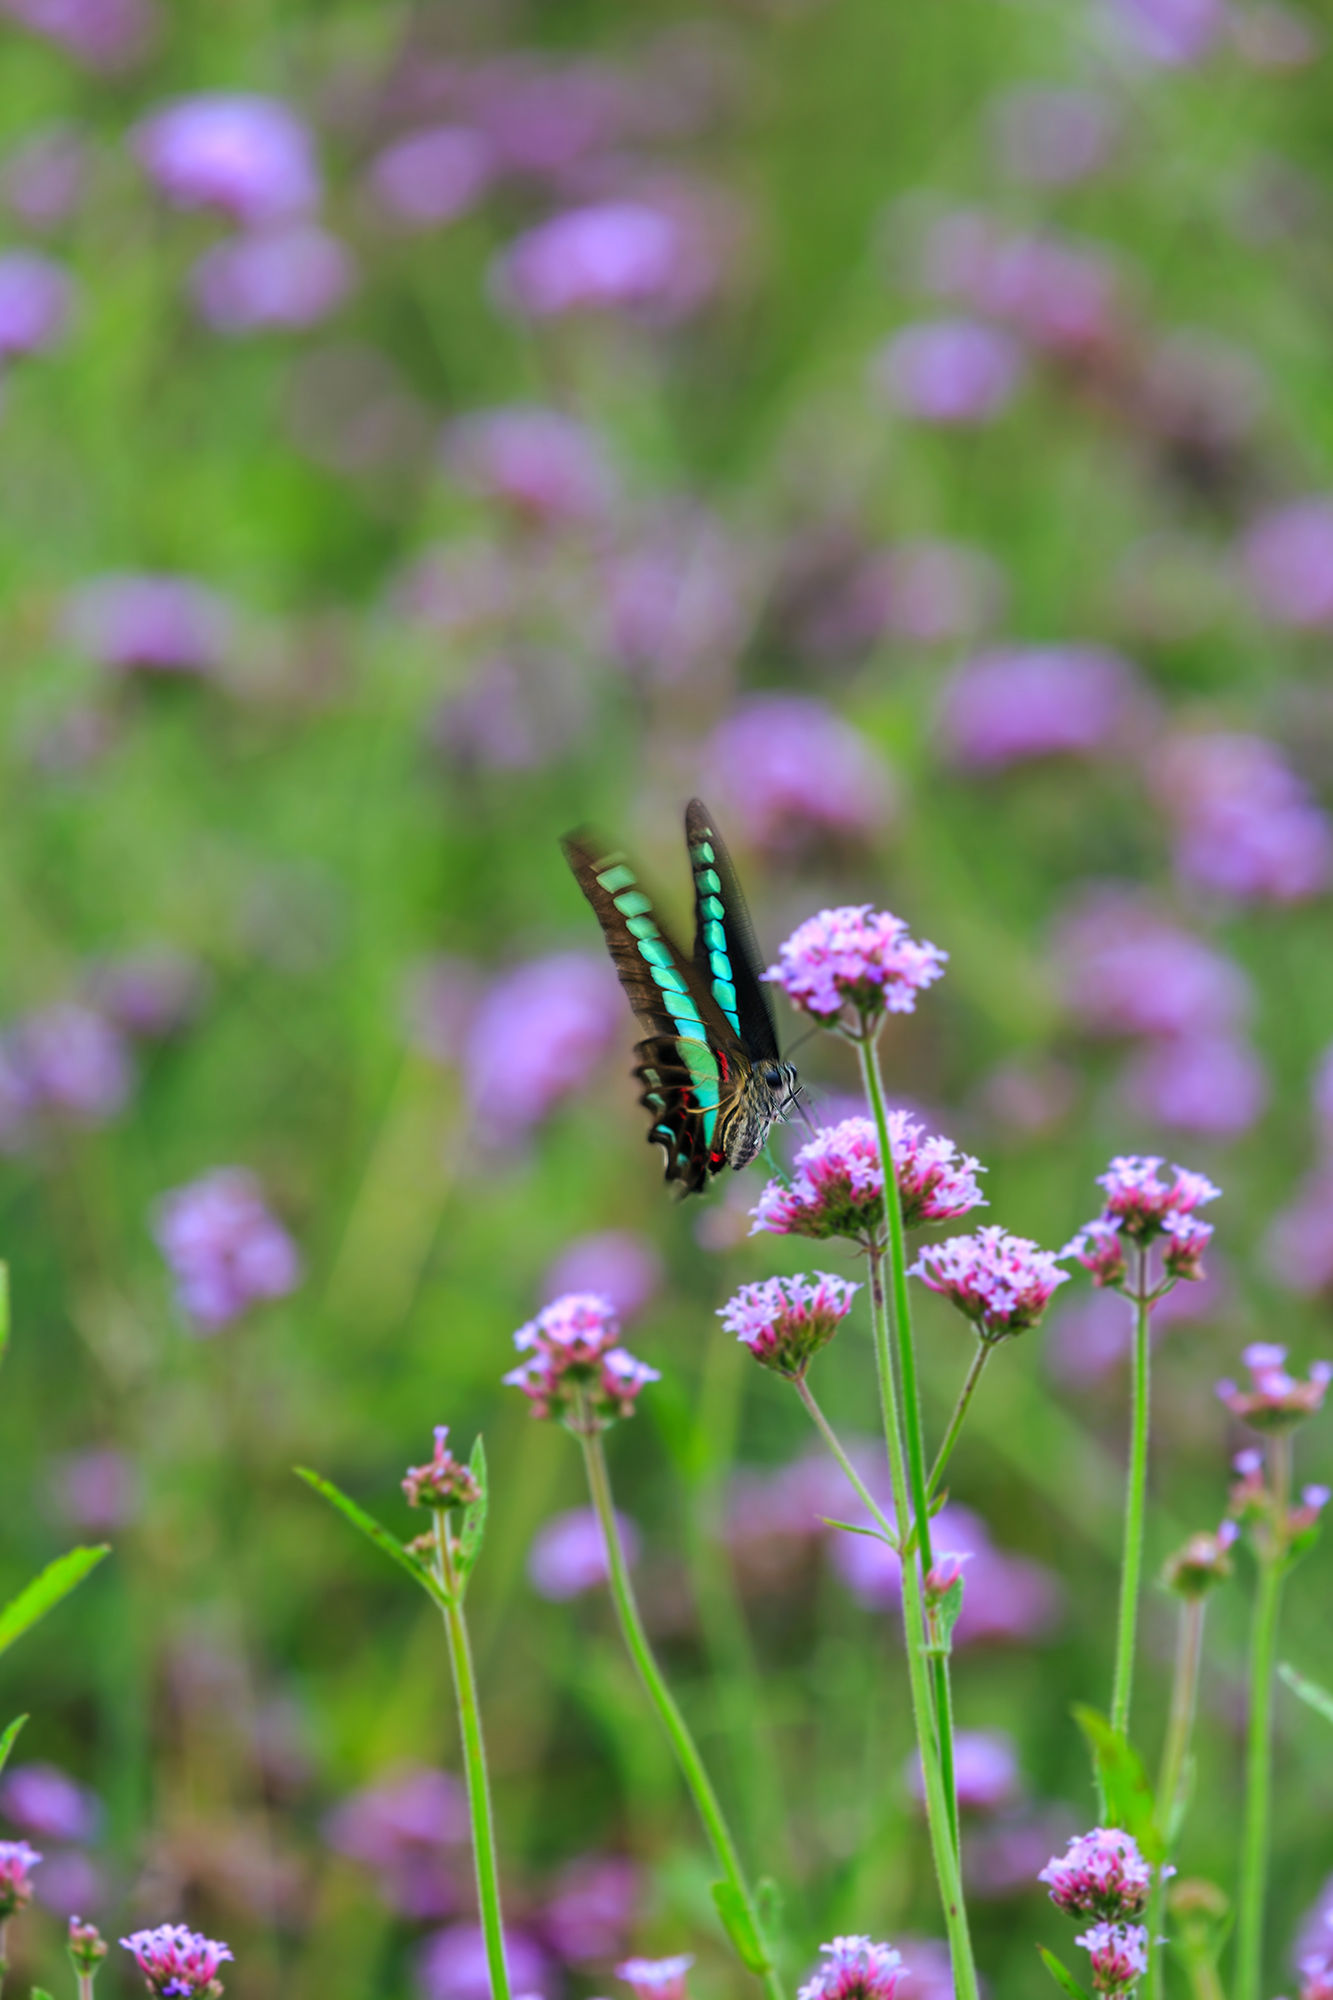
pixel 1013 704
pixel 1275 1400
pixel 1102 1874
pixel 1002 1283
pixel 656 1978
pixel 790 767
pixel 225 1249
pixel 443 1482
pixel 1246 825
pixel 17 1861
pixel 577 1370
pixel 855 957
pixel 837 1183
pixel 856 1969
pixel 1203 1561
pixel 785 1321
pixel 177 1963
pixel 1140 1208
pixel 1119 1954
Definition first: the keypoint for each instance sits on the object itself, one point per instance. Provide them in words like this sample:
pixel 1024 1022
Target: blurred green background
pixel 315 816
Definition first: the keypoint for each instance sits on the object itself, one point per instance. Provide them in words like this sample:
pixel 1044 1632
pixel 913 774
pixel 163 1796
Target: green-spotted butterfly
pixel 713 1079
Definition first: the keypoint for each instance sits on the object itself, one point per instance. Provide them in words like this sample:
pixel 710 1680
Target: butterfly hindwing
pixel 726 955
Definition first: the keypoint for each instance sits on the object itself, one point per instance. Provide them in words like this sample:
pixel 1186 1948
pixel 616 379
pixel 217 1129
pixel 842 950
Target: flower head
pixel 443 1482
pixel 837 1184
pixel 1203 1562
pixel 1316 1972
pixel 785 1321
pixel 1002 1283
pixel 17 1861
pixel 855 957
pixel 656 1978
pixel 87 1947
pixel 1119 1955
pixel 1275 1400
pixel 1100 1249
pixel 225 1249
pixel 576 1370
pixel 1142 1203
pixel 249 156
pixel 1102 1874
pixel 177 1963
pixel 944 1573
pixel 857 1969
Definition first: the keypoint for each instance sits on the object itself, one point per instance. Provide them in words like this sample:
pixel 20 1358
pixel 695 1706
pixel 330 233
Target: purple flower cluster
pixel 432 175
pixel 1102 1874
pixel 954 372
pixel 155 623
pixel 537 1033
pixel 653 259
pixel 675 598
pixel 1057 295
pixel 790 768
pixel 1011 705
pixel 837 1182
pixel 568 1553
pixel 17 1861
pixel 66 1063
pixel 36 302
pixel 44 1801
pixel 452 1964
pixel 856 958
pixel 1275 1400
pixel 1140 1208
pixel 104 35
pixel 1119 1955
pixel 1287 557
pixel 577 1369
pixel 785 1321
pixel 405 1829
pixel 855 1969
pixel 1246 826
pixel 225 1248
pixel 177 1964
pixel 1002 1283
pixel 546 468
pixel 443 1482
pixel 985 1770
pixel 617 1264
pixel 656 1978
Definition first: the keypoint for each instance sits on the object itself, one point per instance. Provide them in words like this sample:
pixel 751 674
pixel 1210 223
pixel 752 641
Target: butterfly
pixel 713 1079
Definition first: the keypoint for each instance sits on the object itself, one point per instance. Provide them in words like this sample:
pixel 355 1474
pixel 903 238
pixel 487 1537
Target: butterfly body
pixel 712 1079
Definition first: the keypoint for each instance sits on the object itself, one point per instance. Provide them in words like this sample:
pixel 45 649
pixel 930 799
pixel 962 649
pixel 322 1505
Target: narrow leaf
pixel 1061 1974
pixel 40 1993
pixel 45 1591
pixel 739 1926
pixel 1310 1692
pixel 386 1543
pixel 474 1517
pixel 768 1900
pixel 1124 1782
pixel 851 1528
pixel 10 1737
pixel 947 1615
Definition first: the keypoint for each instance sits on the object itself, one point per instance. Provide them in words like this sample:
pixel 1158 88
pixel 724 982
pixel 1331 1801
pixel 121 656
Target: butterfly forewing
pixel 725 952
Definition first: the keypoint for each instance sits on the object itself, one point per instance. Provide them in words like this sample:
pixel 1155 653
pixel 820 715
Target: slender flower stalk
pixel 1136 1493
pixel 1271 1553
pixel 682 1742
pixel 831 1439
pixel 984 1350
pixel 1170 1783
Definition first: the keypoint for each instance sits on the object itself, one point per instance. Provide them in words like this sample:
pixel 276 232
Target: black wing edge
pixel 754 1006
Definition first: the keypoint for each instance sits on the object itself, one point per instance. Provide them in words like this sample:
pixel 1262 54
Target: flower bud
pixel 1202 1563
pixel 443 1482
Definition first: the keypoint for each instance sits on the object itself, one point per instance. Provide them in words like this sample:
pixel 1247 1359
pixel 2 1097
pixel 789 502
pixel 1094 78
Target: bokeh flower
pixel 956 372
pixel 837 1183
pixel 675 597
pixel 1125 968
pixel 44 1801
pixel 161 623
pixel 1287 558
pixel 985 1770
pixel 856 958
pixel 1119 1954
pixel 431 176
pixel 1010 1599
pixel 1275 1400
pixel 452 1965
pixel 1174 34
pixel 247 155
pixel 549 468
pixel 634 256
pixel 1002 1283
pixel 785 1321
pixel 225 1248
pixel 97 1490
pixel 1102 1874
pixel 535 1038
pixel 656 1978
pixel 17 1861
pixel 592 1910
pixel 1052 137
pixel 1211 1084
pixel 36 300
pixel 72 1063
pixel 1246 825
pixel 790 768
pixel 442 1482
pixel 568 1553
pixel 1008 706
pixel 103 35
pixel 284 279
pixel 855 1968
pixel 177 1964
pixel 576 1369
pixel 618 1264
pixel 407 1828
pixel 44 179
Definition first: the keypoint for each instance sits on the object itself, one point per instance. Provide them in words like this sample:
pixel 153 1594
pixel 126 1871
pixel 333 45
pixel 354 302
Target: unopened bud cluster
pixel 87 1947
pixel 442 1482
pixel 1275 1400
pixel 1202 1563
pixel 1104 1876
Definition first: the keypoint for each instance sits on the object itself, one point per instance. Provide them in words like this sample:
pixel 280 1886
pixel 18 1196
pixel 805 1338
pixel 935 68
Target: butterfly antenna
pixel 801 1040
pixel 798 1099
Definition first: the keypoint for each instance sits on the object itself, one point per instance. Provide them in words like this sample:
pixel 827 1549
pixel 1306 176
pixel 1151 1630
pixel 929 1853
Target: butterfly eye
pixel 773 1077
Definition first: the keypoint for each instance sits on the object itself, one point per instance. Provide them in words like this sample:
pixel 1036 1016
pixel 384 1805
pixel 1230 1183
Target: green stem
pixel 827 1432
pixel 474 1764
pixel 939 1819
pixel 1136 1491
pixel 1259 1736
pixel 1175 1752
pixel 687 1754
pixel 965 1394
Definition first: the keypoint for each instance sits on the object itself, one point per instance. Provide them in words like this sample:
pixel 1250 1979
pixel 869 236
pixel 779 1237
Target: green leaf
pixel 772 1921
pixel 1061 1974
pixel 388 1544
pixel 1124 1782
pixel 10 1737
pixel 947 1615
pixel 40 1993
pixel 739 1925
pixel 1309 1691
pixel 45 1591
pixel 851 1528
pixel 474 1517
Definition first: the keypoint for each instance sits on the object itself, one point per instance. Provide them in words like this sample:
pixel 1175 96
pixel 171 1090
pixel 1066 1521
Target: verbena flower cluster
pixel 656 1978
pixel 577 1369
pixel 1140 1208
pixel 17 1861
pixel 1101 1874
pixel 837 1182
pixel 785 1321
pixel 442 1482
pixel 855 1968
pixel 1275 1400
pixel 177 1963
pixel 1119 1955
pixel 855 958
pixel 1002 1283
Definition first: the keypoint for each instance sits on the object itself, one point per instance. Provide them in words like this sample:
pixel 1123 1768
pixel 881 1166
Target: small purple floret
pixel 1002 1283
pixel 855 1969
pixel 1119 1954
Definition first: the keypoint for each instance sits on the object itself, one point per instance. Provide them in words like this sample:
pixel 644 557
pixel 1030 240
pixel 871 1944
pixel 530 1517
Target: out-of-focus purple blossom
pixel 432 176
pixel 283 278
pixel 1008 1597
pixel 404 1828
pixel 855 957
pixel 538 1033
pixel 837 1182
pixel 152 993
pixel 101 34
pixel 618 1264
pixel 1002 1283
pixel 1287 557
pixel 225 1248
pixel 1317 1975
pixel 927 1966
pixel 442 1482
pixel 675 598
pixel 442 997
pixel 44 179
pixel 1202 391
pixel 1210 1084
pixel 785 1321
pixel 544 119
pixel 42 1800
pixel 16 1103
pixel 177 1964
pixel 1175 34
pixel 547 467
pixel 788 767
pixel 635 256
pixel 1061 296
pixel 1298 1246
pixel 70 1882
pixel 1125 969
pixel 451 1965
pixel 1275 1400
pixel 568 1554
pixel 1015 703
pixel 855 1968
pixel 985 1770
pixel 36 299
pixel 521 710
pixel 1119 1954
pixel 73 1063
pixel 17 1861
pixel 592 1908
pixel 97 1490
pixel 950 371
pixel 1002 1858
pixel 1202 1562
pixel 656 1978
pixel 1246 825
pixel 1315 1935
pixel 1054 138
pixel 1028 1097
pixel 1275 38
pixel 250 156
pixel 161 623
pixel 458 588
pixel 1102 1874
pixel 923 592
